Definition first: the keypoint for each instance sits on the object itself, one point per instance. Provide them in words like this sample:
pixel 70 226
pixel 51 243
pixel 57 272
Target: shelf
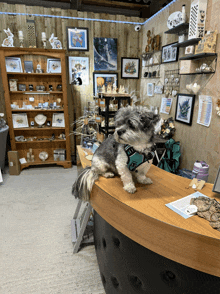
pixel 66 163
pixel 155 64
pixel 198 73
pixel 110 113
pixel 36 93
pixel 37 110
pixel 151 78
pixel 39 129
pixel 187 43
pixel 33 74
pixel 41 141
pixel 198 56
pixel 180 29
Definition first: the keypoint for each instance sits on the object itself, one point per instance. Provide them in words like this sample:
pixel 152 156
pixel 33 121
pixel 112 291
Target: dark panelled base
pixel 127 267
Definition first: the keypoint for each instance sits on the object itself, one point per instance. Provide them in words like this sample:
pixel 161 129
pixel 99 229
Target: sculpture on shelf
pixel 194 88
pixel 121 90
pixel 21 38
pixel 9 41
pixel 56 44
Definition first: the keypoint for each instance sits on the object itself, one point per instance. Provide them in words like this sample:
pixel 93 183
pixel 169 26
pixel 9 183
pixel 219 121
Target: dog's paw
pixel 144 180
pixel 108 175
pixel 130 188
pixel 148 181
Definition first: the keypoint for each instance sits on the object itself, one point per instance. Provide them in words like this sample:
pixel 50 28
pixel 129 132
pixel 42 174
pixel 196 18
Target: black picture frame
pixel 216 186
pixel 184 108
pixel 80 35
pixel 134 64
pixel 105 75
pixel 169 53
pixel 28 66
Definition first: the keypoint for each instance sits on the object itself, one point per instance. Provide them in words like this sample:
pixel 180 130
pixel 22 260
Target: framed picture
pixel 216 186
pixel 77 39
pixel 150 89
pixel 28 66
pixel 130 68
pixel 184 108
pixel 58 120
pixel 53 65
pixel 169 53
pixel 105 54
pixel 101 81
pixel 13 64
pixel 79 68
pixel 158 89
pixel 20 120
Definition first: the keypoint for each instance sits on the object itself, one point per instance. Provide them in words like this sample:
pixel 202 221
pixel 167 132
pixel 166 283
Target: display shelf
pixel 180 29
pixel 39 129
pixel 198 56
pixel 198 73
pixel 36 93
pixel 187 43
pixel 150 78
pixel 41 141
pixel 37 110
pixel 33 74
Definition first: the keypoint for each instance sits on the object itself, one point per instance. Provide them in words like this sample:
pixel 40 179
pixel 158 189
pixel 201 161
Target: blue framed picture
pixel 102 81
pixel 77 39
pixel 105 54
pixel 184 108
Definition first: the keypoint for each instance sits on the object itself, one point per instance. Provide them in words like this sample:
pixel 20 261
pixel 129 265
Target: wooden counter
pixel 144 218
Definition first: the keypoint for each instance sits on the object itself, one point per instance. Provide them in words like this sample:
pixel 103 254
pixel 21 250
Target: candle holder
pixel 21 38
pixel 44 40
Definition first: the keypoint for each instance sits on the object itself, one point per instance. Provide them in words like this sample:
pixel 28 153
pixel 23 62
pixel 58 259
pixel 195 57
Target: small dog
pixel 128 153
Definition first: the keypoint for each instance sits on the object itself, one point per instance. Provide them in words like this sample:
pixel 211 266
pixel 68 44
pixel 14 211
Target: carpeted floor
pixel 36 209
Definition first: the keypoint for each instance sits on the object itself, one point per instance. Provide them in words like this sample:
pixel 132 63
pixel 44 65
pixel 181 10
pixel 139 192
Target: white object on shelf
pixel 56 44
pixel 183 13
pixel 174 19
pixel 9 41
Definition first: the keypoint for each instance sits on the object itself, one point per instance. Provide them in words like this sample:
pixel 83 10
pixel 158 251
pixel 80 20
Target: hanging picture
pixel 169 53
pixel 150 89
pixel 13 64
pixel 77 39
pixel 20 120
pixel 158 89
pixel 104 81
pixel 58 120
pixel 79 68
pixel 53 65
pixel 105 54
pixel 184 108
pixel 130 68
pixel 166 105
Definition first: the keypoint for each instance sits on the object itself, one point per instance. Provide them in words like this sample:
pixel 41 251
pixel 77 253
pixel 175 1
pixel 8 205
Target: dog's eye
pixel 130 124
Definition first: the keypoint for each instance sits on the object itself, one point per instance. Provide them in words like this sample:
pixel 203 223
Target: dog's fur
pixel 134 125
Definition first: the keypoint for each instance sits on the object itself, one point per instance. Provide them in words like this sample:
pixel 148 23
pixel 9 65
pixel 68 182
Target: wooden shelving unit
pixel 42 135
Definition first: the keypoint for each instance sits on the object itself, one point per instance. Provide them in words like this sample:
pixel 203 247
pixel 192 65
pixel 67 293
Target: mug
pixel 145 74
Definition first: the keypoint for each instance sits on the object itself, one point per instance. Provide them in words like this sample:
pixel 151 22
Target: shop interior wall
pixel 129 44
pixel 197 142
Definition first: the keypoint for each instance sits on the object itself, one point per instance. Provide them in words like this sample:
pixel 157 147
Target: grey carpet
pixel 36 209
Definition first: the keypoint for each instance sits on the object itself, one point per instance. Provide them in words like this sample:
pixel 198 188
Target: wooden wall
pixel 129 42
pixel 197 142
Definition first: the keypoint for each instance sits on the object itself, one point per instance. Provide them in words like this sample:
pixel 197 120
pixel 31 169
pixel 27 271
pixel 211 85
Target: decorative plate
pixel 174 19
pixel 43 155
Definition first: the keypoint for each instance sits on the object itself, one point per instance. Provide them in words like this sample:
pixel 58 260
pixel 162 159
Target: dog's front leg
pixel 123 171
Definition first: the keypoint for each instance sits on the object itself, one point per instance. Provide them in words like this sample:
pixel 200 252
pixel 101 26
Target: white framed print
pixel 53 65
pixel 150 89
pixel 20 120
pixel 58 120
pixel 13 64
pixel 79 68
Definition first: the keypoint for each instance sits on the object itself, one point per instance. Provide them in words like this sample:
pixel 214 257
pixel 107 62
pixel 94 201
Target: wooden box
pixel 13 162
pixel 188 66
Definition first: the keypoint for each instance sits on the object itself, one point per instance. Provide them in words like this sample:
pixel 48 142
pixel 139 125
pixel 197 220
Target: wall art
pixel 169 53
pixel 20 120
pixel 105 54
pixel 150 89
pixel 28 66
pixel 79 68
pixel 103 81
pixel 130 68
pixel 184 108
pixel 13 64
pixel 77 39
pixel 53 65
pixel 58 120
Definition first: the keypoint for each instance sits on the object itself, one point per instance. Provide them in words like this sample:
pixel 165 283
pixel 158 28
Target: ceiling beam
pixel 116 4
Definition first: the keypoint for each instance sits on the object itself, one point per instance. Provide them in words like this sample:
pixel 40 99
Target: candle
pixel 20 34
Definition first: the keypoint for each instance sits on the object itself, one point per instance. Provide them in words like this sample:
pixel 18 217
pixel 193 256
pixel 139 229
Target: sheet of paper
pixel 205 110
pixel 180 206
pixel 166 105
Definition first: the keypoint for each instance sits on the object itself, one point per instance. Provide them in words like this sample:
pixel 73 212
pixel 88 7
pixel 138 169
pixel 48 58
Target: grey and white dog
pixel 128 153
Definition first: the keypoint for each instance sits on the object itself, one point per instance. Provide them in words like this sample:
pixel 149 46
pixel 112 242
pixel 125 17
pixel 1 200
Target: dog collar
pixel 135 158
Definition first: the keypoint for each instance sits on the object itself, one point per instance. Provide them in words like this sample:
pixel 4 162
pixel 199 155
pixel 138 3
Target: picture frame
pixel 79 68
pixel 130 68
pixel 13 64
pixel 28 66
pixel 53 65
pixel 58 120
pixel 216 186
pixel 102 80
pixel 21 87
pixel 20 120
pixel 184 108
pixel 150 89
pixel 169 53
pixel 105 54
pixel 158 89
pixel 77 39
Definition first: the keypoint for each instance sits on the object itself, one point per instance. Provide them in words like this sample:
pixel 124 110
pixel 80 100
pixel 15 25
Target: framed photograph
pixel 101 81
pixel 79 68
pixel 158 89
pixel 216 186
pixel 130 68
pixel 184 108
pixel 105 54
pixel 13 64
pixel 28 66
pixel 169 53
pixel 77 39
pixel 20 120
pixel 150 89
pixel 53 65
pixel 58 120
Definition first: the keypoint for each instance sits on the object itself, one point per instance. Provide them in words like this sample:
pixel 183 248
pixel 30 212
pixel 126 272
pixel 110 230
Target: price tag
pixel 97 101
pixel 102 103
pixel 98 119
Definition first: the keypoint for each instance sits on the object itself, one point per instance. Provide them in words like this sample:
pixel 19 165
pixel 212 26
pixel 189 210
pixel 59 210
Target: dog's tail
pixel 84 183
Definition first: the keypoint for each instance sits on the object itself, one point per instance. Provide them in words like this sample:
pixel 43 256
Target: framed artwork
pixel 58 120
pixel 20 120
pixel 79 68
pixel 28 66
pixel 158 89
pixel 169 53
pixel 13 64
pixel 150 89
pixel 105 54
pixel 53 65
pixel 130 68
pixel 101 81
pixel 184 108
pixel 77 39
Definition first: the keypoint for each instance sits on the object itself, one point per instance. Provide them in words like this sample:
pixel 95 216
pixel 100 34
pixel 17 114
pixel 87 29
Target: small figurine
pixel 109 89
pixel 8 42
pixel 121 89
pixel 56 44
pixel 114 91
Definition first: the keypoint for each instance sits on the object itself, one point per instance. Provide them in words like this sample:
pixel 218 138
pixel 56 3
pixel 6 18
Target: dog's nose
pixel 121 132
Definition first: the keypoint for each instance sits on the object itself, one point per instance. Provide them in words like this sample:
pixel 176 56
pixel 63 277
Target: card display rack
pixel 46 138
